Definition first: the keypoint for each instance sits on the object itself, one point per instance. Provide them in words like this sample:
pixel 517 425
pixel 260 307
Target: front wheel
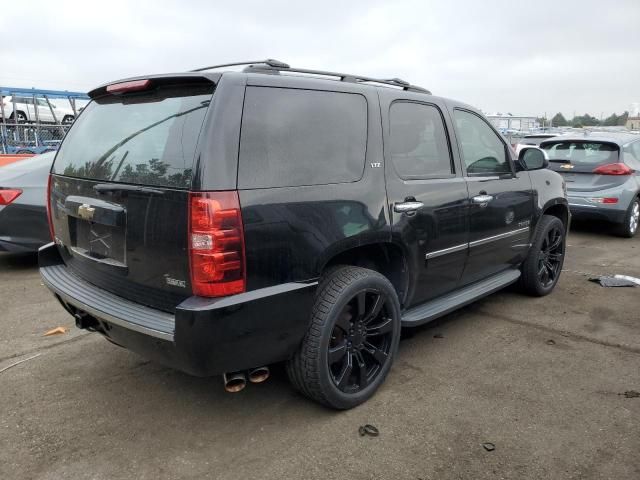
pixel 541 269
pixel 629 227
pixel 352 339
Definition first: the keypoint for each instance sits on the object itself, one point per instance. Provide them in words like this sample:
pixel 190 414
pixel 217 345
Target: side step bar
pixel 433 309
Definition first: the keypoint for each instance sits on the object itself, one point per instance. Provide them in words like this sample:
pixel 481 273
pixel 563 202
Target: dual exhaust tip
pixel 236 381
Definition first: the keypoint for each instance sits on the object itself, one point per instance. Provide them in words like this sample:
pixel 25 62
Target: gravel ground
pixel 543 379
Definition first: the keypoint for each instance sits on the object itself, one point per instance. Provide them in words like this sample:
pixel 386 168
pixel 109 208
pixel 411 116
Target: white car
pixel 25 110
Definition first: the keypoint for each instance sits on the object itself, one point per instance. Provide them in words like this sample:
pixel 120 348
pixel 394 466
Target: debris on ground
pixel 616 281
pixel 630 394
pixel 368 430
pixel 56 331
pixel 19 362
pixel 551 342
pixel 438 335
pixel 489 447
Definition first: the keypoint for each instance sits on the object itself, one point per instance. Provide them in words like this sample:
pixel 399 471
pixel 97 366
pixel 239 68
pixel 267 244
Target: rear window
pixel 581 152
pixel 147 138
pixel 301 137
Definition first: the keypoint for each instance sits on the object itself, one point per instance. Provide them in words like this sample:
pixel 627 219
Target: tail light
pixel 9 195
pixel 613 169
pixel 49 209
pixel 216 244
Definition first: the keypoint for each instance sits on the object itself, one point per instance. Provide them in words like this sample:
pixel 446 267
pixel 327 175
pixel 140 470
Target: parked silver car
pixel 602 173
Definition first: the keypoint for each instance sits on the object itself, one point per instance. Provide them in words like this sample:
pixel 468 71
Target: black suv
pixel 221 222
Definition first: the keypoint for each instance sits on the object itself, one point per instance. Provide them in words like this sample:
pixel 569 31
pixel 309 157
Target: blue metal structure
pixel 29 136
pixel 43 93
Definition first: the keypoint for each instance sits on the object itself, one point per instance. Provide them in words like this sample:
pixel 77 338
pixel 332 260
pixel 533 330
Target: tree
pixel 585 120
pixel 622 119
pixel 611 121
pixel 558 120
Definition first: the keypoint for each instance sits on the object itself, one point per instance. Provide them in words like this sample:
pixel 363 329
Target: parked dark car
pixel 219 222
pixel 23 215
pixel 602 173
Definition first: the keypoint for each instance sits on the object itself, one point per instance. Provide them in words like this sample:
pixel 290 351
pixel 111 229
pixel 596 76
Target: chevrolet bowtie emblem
pixel 86 211
pixel 567 166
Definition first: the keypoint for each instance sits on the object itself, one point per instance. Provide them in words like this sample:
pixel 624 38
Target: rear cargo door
pixel 576 161
pixel 119 190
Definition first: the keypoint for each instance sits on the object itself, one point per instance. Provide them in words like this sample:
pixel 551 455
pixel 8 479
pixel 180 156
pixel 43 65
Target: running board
pixel 433 309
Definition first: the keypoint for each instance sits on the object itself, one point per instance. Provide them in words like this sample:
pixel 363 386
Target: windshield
pixel 581 152
pixel 147 138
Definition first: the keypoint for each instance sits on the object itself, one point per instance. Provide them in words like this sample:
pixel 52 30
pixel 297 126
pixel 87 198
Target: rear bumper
pixel 581 211
pixel 204 336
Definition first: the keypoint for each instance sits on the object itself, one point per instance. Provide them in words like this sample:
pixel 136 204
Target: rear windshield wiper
pixel 122 187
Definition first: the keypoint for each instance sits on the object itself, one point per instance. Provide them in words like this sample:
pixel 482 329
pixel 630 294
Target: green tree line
pixel 586 120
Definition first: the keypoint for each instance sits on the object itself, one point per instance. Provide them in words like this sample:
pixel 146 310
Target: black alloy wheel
pixel 550 256
pixel 361 341
pixel 352 338
pixel 542 267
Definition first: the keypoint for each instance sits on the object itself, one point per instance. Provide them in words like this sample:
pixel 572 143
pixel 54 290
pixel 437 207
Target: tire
pixel 629 227
pixel 68 119
pixel 543 265
pixel 21 117
pixel 348 319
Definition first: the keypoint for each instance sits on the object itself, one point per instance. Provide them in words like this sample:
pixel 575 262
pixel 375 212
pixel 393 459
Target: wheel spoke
pixel 342 380
pixel 337 353
pixel 378 303
pixel 378 355
pixel 363 381
pixel 555 256
pixel 557 241
pixel 362 304
pixel 380 329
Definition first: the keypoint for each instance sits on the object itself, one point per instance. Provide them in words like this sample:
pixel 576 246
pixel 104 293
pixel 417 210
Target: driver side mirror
pixel 533 158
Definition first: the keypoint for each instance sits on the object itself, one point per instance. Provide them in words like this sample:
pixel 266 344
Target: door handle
pixel 482 200
pixel 407 207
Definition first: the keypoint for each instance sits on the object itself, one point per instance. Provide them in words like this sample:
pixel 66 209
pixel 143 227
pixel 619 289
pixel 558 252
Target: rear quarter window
pixel 295 137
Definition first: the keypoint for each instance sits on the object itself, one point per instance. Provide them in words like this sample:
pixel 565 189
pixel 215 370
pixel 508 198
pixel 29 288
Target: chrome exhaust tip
pixel 259 375
pixel 234 382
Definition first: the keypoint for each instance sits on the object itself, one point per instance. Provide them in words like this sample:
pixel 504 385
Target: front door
pixel 427 195
pixel 501 199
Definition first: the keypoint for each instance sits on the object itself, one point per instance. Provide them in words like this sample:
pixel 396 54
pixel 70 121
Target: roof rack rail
pixel 271 65
pixel 269 61
pixel 344 77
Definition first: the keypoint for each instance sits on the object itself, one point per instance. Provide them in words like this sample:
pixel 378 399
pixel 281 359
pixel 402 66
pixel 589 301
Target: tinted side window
pixel 301 137
pixel 419 146
pixel 482 150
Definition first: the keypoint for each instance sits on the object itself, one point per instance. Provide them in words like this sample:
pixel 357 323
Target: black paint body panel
pixel 292 233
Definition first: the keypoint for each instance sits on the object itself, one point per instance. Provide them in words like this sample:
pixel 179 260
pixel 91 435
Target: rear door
pixel 427 194
pixel 501 200
pixel 119 191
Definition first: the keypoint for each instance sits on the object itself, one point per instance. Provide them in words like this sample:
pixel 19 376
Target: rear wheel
pixel 629 227
pixel 19 116
pixel 352 340
pixel 541 269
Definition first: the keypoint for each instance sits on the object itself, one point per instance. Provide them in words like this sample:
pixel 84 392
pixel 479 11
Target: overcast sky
pixel 500 56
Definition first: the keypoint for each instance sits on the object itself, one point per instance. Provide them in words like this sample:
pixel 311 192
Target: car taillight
pixel 613 169
pixel 216 244
pixel 49 209
pixel 8 195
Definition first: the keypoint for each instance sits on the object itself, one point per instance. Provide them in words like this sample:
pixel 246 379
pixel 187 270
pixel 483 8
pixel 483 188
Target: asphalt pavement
pixel 548 381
